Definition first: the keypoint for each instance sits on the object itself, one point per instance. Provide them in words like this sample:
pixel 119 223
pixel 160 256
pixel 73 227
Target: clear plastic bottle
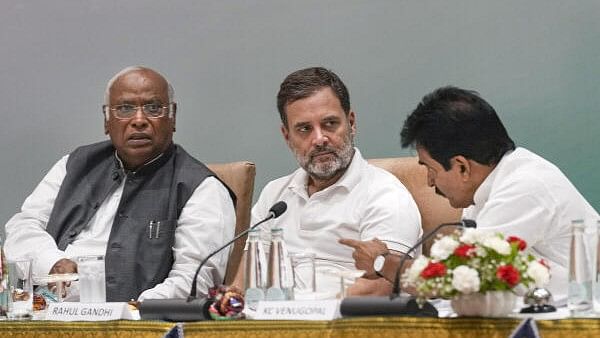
pixel 597 276
pixel 580 271
pixel 280 282
pixel 255 278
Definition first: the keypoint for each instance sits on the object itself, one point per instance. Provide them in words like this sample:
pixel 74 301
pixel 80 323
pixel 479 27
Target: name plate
pixel 298 310
pixel 68 311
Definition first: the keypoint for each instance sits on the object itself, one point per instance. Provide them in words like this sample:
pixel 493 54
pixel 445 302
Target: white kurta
pixel 365 203
pixel 206 222
pixel 529 197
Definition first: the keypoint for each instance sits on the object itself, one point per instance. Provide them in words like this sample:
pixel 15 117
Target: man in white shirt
pixel 473 162
pixel 335 194
pixel 140 200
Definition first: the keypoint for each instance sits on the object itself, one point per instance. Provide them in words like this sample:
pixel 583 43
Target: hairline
pixel 126 70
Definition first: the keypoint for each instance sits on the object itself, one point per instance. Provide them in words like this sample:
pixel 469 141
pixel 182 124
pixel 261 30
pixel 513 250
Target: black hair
pixel 304 83
pixel 451 121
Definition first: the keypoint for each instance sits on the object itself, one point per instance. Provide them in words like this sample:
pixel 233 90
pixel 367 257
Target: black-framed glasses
pixel 127 111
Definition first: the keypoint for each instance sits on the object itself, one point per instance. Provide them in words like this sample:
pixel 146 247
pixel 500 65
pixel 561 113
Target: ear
pixel 352 122
pixel 285 132
pixel 105 115
pixel 174 115
pixel 463 165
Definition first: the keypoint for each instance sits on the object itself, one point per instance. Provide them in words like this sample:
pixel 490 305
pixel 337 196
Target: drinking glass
pixel 346 278
pixel 20 286
pixel 92 283
pixel 303 265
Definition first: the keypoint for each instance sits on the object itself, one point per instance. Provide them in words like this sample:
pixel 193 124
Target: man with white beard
pixel 335 194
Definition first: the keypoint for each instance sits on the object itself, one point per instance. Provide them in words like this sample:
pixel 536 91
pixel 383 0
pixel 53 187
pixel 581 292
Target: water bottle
pixel 4 292
pixel 580 271
pixel 280 280
pixel 597 277
pixel 255 280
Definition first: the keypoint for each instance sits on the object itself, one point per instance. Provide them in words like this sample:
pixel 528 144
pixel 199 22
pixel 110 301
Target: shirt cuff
pixel 44 262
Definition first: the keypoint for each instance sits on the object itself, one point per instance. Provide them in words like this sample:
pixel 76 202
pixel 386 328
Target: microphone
pixel 396 304
pixel 192 308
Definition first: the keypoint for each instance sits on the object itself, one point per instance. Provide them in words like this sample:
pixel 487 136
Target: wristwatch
pixel 378 264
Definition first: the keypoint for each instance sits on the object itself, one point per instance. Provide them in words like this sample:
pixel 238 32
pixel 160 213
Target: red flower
pixel 433 270
pixel 521 244
pixel 508 274
pixel 465 251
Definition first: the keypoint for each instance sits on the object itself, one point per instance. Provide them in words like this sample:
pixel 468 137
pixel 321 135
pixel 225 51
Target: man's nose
pixel 139 119
pixel 320 138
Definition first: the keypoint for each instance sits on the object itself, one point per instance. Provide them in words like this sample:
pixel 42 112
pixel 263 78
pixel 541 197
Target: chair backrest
pixel 434 209
pixel 239 176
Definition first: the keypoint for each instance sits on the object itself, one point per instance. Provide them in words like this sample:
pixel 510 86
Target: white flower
pixel 465 279
pixel 471 236
pixel 443 248
pixel 539 273
pixel 480 252
pixel 415 269
pixel 497 244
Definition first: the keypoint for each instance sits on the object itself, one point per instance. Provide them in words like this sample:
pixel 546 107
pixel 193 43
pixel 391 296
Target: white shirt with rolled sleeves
pixel 529 197
pixel 206 222
pixel 365 203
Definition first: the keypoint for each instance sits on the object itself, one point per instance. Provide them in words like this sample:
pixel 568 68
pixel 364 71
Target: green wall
pixel 537 62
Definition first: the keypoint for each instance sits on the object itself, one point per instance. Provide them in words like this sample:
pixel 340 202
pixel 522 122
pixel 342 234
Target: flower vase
pixel 489 304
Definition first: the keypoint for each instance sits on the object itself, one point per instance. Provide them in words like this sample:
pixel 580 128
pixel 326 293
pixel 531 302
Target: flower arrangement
pixel 228 303
pixel 475 261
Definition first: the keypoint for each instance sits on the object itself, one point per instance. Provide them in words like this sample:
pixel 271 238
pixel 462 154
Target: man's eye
pixel 125 108
pixel 152 108
pixel 303 129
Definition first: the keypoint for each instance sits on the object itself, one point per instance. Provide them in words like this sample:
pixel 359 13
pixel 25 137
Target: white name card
pixel 68 311
pixel 298 310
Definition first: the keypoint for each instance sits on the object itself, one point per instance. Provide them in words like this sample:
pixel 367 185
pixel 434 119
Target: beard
pixel 324 170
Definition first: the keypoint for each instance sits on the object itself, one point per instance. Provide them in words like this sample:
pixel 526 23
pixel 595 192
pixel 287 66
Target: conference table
pixel 376 327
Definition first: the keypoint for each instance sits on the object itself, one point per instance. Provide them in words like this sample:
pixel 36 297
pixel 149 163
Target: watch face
pixel 378 263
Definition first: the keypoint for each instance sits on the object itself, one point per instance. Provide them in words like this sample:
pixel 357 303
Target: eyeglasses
pixel 127 111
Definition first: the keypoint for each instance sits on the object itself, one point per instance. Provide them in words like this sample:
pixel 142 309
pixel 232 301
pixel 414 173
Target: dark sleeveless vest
pixel 138 255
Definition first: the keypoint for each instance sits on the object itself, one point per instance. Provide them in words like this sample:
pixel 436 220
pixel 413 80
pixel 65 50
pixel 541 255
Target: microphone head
pixel 469 223
pixel 278 208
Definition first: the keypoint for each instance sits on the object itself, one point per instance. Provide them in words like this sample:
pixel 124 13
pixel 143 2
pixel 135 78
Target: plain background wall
pixel 537 62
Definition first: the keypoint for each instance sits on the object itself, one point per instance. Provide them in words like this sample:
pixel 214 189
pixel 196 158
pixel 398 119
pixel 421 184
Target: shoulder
pixel 94 148
pixel 279 186
pixel 524 178
pixel 524 170
pixel 378 178
pixel 186 159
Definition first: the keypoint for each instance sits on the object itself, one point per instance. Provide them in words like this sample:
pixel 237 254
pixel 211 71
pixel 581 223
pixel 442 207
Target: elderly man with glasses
pixel 140 200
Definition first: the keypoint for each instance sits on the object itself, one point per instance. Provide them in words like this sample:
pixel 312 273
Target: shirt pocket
pixel 157 241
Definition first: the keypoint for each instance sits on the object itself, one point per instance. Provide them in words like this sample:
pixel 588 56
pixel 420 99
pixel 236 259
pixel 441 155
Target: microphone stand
pixel 193 308
pixel 397 304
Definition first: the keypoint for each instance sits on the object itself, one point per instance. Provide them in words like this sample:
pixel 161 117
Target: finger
pixel 349 242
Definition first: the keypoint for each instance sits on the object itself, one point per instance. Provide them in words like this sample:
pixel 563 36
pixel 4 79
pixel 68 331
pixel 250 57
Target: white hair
pixel 171 91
